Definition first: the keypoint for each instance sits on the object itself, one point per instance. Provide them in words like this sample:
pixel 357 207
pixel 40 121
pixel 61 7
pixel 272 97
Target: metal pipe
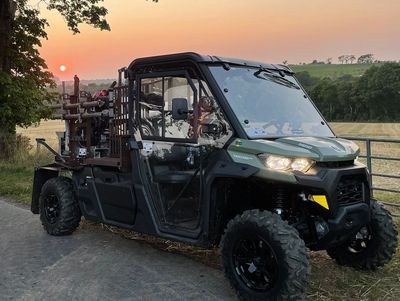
pixel 385 176
pixel 68 106
pixel 385 189
pixel 387 140
pixel 90 115
pixel 85 104
pixel 42 141
pixel 369 163
pixel 84 115
pixel 91 104
pixel 391 204
pixel 71 116
pixel 385 158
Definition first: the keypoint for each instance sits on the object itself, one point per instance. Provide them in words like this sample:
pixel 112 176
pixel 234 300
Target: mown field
pixel 333 70
pixel 329 282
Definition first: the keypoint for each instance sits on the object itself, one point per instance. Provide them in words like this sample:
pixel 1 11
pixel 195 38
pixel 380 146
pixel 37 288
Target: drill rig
pixel 96 127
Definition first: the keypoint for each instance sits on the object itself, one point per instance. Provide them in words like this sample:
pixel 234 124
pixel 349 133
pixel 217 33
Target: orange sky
pixel 266 30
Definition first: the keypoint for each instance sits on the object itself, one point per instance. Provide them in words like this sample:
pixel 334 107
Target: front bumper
pixel 349 206
pixel 332 183
pixel 348 221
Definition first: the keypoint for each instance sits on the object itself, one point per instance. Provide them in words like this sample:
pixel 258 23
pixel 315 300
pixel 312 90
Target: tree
pixel 352 58
pixel 379 88
pixel 372 97
pixel 24 80
pixel 329 60
pixel 342 58
pixel 23 76
pixel 317 62
pixel 285 62
pixel 366 59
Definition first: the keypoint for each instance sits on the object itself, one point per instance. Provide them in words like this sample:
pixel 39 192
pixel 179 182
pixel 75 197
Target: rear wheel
pixel 58 208
pixel 264 257
pixel 373 246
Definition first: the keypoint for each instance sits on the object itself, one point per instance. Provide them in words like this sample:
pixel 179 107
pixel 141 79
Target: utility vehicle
pixel 213 151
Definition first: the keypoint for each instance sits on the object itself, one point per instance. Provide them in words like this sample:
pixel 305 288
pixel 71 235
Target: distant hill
pixel 333 70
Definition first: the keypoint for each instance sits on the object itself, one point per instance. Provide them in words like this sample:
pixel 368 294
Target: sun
pixel 63 68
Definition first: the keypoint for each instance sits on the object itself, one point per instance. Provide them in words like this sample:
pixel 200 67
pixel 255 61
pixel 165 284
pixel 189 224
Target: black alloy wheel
pixel 51 208
pixel 264 258
pixel 256 263
pixel 360 242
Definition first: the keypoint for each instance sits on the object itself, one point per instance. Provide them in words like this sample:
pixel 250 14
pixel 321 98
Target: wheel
pixel 373 246
pixel 264 258
pixel 58 208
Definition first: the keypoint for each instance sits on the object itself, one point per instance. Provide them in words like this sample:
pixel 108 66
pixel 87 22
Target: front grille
pixel 350 190
pixel 336 164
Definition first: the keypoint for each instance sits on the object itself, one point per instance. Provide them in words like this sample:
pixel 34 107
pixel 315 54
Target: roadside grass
pixel 16 180
pixel 16 175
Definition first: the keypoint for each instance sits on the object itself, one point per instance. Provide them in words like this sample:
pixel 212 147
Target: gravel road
pixel 92 264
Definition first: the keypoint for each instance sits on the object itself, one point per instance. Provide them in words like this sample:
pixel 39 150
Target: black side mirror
pixel 180 108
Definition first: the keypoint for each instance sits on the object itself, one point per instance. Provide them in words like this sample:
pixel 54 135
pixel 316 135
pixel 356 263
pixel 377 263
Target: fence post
pixel 369 163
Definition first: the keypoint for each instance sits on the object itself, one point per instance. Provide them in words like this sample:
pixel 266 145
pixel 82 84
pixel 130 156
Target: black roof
pixel 207 59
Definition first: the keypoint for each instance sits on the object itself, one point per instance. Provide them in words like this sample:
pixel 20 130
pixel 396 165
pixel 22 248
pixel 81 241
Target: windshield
pixel 269 104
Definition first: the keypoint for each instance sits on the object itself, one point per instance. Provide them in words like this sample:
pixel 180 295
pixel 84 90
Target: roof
pixel 206 59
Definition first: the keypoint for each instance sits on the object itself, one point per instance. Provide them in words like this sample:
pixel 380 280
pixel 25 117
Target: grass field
pixel 329 282
pixel 47 129
pixel 333 70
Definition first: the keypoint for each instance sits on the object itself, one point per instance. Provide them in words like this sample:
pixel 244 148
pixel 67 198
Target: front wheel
pixel 373 246
pixel 264 258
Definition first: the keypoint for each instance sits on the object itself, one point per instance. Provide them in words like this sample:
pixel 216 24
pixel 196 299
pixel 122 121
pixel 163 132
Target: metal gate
pixel 369 156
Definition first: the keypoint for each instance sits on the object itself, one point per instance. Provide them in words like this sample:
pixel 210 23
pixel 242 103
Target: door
pixel 171 155
pixel 176 147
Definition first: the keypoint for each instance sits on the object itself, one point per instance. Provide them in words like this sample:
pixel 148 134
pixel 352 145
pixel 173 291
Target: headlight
pixel 286 163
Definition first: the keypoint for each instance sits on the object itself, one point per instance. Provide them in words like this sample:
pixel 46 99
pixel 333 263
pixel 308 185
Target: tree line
pixel 351 58
pixel 368 58
pixel 375 96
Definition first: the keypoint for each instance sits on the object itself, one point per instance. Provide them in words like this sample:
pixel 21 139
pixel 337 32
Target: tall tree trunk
pixel 7 13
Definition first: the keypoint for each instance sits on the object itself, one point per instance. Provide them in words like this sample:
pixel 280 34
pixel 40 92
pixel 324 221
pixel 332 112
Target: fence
pixel 369 156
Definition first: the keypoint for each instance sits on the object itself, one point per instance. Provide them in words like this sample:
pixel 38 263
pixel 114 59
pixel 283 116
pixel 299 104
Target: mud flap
pixel 42 174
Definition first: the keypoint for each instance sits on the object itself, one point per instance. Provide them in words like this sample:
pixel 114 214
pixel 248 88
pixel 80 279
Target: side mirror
pixel 180 108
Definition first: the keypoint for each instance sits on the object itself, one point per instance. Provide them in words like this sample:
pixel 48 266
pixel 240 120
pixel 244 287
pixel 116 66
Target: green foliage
pixel 27 85
pixel 76 12
pixel 375 96
pixel 23 89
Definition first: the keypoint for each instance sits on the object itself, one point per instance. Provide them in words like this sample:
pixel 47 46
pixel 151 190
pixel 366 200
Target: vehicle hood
pixel 316 148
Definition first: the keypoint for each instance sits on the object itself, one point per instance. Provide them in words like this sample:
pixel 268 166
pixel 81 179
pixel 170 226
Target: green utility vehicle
pixel 217 151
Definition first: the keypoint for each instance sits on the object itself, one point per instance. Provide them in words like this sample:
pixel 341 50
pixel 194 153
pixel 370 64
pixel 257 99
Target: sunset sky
pixel 266 30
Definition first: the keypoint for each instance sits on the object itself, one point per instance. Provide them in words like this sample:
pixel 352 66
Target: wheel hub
pixel 256 264
pixel 360 241
pixel 51 208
